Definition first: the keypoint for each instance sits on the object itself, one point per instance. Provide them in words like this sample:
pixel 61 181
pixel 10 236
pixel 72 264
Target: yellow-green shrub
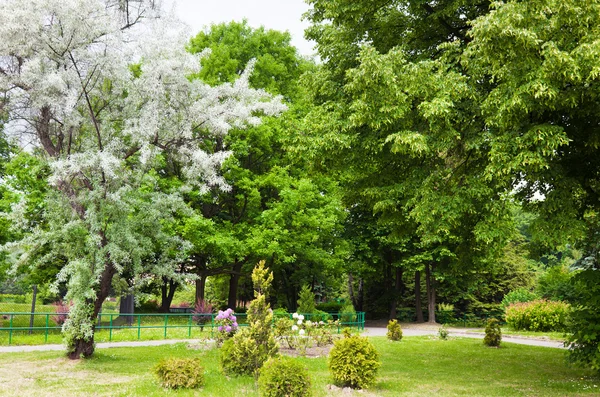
pixel 493 334
pixel 283 377
pixel 176 373
pixel 538 315
pixel 394 331
pixel 353 361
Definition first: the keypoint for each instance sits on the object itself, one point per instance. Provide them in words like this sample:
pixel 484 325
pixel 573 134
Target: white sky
pixel 272 14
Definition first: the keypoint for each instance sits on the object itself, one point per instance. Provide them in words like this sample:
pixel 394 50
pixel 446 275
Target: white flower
pixel 294 328
pixel 309 323
pixel 299 322
pixel 300 317
pixel 295 315
pixel 301 332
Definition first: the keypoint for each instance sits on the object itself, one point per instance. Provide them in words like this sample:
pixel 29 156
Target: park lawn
pixel 553 335
pixel 417 366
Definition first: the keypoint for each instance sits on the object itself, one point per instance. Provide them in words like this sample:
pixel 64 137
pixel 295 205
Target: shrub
pixel 539 315
pixel 203 312
pixel 330 307
pixel 61 309
pixel 281 313
pixel 283 377
pixel 443 333
pixel 150 306
pixel 226 325
pixel 319 315
pixel 306 301
pixel 241 309
pixel 239 354
pixel 493 334
pixel 394 331
pixel 348 314
pixel 518 295
pixel 176 373
pixel 353 362
pixel 556 283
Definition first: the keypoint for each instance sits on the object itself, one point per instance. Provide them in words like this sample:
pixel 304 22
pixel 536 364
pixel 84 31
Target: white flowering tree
pixel 101 89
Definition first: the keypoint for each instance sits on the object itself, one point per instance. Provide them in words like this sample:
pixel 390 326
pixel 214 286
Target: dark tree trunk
pixel 429 282
pixel 418 305
pixel 126 308
pixel 234 282
pixel 397 292
pixel 85 347
pixel 200 286
pixel 167 292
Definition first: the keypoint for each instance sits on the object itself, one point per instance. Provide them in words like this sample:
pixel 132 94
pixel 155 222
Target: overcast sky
pixel 272 14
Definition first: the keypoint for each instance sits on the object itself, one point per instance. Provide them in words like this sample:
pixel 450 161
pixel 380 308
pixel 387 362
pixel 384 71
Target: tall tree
pixel 102 124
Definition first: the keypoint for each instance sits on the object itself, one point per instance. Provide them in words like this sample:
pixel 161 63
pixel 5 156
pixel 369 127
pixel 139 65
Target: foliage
pixel 443 332
pixel 584 342
pixel 283 377
pixel 518 295
pixel 306 300
pixel 556 283
pixel 180 373
pixel 248 349
pixel 353 362
pixel 104 130
pixel 493 333
pixel 203 312
pixel 538 315
pixel 347 314
pixel 394 330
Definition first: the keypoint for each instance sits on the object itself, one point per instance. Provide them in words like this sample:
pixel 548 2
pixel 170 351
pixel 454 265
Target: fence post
pixel 47 324
pixel 32 309
pixel 11 329
pixel 166 323
pixel 139 316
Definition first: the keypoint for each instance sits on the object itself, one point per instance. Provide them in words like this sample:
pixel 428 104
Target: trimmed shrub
pixel 353 362
pixel 283 377
pixel 330 307
pixel 394 331
pixel 180 373
pixel 493 334
pixel 518 295
pixel 539 315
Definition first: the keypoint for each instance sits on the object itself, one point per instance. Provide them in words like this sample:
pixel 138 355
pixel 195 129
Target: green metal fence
pixel 137 326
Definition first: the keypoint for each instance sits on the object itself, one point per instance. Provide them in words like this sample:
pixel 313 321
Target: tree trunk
pixel 234 282
pixel 429 282
pixel 397 289
pixel 167 290
pixel 361 295
pixel 85 347
pixel 126 306
pixel 200 286
pixel 351 289
pixel 418 306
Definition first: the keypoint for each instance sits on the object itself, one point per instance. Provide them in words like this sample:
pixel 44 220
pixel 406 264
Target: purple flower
pixel 220 328
pixel 228 329
pixel 233 318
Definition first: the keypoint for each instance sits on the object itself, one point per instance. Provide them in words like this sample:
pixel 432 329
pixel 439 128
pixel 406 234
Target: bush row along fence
pixel 451 317
pixel 182 325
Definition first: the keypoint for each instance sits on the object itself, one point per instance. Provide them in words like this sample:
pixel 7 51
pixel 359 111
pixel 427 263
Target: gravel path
pixel 369 331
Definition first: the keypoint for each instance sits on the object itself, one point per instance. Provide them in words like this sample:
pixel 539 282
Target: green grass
pixel 557 336
pixel 417 366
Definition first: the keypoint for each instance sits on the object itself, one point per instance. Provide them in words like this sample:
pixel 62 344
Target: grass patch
pixel 555 336
pixel 417 366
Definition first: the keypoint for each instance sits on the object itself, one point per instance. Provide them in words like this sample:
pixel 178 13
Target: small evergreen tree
pixel 306 301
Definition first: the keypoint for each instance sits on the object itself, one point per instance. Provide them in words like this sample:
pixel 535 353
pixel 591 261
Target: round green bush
pixel 239 354
pixel 283 377
pixel 493 334
pixel 394 331
pixel 353 361
pixel 180 373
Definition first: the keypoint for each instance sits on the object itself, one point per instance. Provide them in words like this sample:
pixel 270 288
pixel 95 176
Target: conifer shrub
pixel 394 331
pixel 353 362
pixel 248 349
pixel 180 373
pixel 283 377
pixel 347 314
pixel 493 334
pixel 306 301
